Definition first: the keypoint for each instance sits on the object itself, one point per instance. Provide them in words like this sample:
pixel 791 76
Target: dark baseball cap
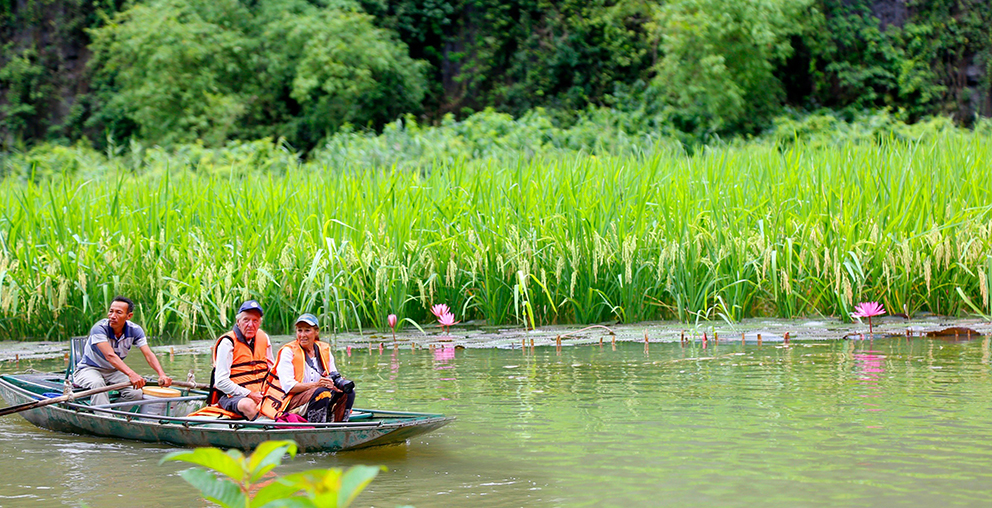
pixel 251 305
pixel 307 318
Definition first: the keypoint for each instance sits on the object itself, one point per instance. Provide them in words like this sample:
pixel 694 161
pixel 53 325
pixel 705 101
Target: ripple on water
pixel 846 423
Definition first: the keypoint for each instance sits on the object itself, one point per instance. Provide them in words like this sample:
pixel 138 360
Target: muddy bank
pixel 471 335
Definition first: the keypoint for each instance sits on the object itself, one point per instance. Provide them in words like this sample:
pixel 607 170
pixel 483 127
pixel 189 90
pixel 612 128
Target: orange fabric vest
pixel 216 412
pixel 274 398
pixel 248 367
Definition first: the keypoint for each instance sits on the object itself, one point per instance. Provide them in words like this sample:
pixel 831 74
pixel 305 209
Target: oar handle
pixel 64 398
pixel 86 393
pixel 182 384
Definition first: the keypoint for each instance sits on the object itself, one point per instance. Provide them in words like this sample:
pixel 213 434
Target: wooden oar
pixel 183 384
pixel 78 395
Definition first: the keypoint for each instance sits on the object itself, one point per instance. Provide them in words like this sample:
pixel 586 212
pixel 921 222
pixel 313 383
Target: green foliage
pixel 176 71
pixel 339 69
pixel 240 478
pixel 567 56
pixel 831 129
pixel 489 135
pixel 178 67
pixel 520 54
pixel 23 79
pixel 185 70
pixel 553 228
pixel 716 74
pixel 43 51
pixel 914 63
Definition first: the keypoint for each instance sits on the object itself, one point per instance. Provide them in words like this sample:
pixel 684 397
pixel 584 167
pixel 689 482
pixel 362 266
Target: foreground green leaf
pixel 212 458
pixel 354 481
pixel 267 456
pixel 220 491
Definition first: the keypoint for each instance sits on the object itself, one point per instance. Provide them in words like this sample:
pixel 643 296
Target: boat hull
pixel 382 428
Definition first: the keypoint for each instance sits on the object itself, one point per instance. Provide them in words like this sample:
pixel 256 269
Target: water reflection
pixel 869 366
pixel 443 355
pixel 846 423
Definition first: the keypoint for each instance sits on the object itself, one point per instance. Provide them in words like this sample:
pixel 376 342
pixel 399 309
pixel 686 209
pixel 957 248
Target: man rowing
pixel 109 342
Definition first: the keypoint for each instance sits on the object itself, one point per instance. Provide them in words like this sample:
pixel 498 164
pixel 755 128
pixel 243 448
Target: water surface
pixel 891 422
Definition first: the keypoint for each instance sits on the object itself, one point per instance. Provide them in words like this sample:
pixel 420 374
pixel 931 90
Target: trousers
pixel 92 377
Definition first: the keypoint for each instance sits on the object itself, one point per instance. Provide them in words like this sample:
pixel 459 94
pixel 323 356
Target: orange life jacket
pixel 248 367
pixel 216 412
pixel 274 399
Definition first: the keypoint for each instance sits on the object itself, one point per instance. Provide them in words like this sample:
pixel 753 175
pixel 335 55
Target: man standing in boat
pixel 242 357
pixel 102 361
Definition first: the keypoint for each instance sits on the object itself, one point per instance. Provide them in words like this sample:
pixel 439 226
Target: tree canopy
pixel 174 71
pixel 182 70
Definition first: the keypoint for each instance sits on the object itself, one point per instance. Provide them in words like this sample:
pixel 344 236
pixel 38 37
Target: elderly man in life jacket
pixel 242 357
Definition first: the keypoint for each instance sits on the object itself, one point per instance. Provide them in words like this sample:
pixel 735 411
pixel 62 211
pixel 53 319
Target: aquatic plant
pixel 447 320
pixel 868 310
pixel 391 321
pixel 245 482
pixel 728 232
pixel 440 310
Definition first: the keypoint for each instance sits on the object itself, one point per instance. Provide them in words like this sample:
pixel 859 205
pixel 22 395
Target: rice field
pixel 755 229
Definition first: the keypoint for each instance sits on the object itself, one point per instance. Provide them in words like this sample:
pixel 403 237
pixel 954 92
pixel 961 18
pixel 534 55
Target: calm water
pixel 831 423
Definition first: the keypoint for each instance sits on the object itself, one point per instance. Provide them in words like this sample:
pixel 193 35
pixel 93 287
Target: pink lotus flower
pixel 440 310
pixel 447 319
pixel 868 309
pixel 391 320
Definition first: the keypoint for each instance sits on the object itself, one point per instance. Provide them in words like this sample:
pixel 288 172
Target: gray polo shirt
pixel 133 336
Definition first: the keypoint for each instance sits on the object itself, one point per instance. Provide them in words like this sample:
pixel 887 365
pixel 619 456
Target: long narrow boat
pixel 366 428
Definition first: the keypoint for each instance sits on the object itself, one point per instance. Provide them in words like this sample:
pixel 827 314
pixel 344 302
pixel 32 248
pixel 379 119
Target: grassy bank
pixel 786 228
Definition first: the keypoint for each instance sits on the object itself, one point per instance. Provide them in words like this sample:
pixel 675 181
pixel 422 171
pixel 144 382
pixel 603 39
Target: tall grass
pixel 756 229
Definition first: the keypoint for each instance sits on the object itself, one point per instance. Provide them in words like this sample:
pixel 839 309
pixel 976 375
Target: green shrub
pixel 240 483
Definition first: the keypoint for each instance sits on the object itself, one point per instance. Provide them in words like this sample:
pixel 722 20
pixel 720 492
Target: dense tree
pixel 182 70
pixel 177 68
pixel 919 57
pixel 171 71
pixel 717 72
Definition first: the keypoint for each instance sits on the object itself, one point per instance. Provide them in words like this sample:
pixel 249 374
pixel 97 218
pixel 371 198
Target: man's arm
pixel 222 371
pixel 108 353
pixel 152 360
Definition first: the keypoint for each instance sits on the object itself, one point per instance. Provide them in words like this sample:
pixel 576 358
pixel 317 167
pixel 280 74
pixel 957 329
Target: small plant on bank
pixel 240 483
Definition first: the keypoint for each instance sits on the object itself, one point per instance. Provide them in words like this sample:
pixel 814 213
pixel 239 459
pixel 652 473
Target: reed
pixel 756 229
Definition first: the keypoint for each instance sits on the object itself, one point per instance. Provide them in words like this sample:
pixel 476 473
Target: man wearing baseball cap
pixel 242 357
pixel 305 380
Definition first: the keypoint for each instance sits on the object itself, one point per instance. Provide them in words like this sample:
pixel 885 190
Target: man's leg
pixel 91 378
pixel 127 394
pixel 240 404
pixel 248 408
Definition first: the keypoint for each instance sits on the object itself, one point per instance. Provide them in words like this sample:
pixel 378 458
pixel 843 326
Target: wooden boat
pixel 116 420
